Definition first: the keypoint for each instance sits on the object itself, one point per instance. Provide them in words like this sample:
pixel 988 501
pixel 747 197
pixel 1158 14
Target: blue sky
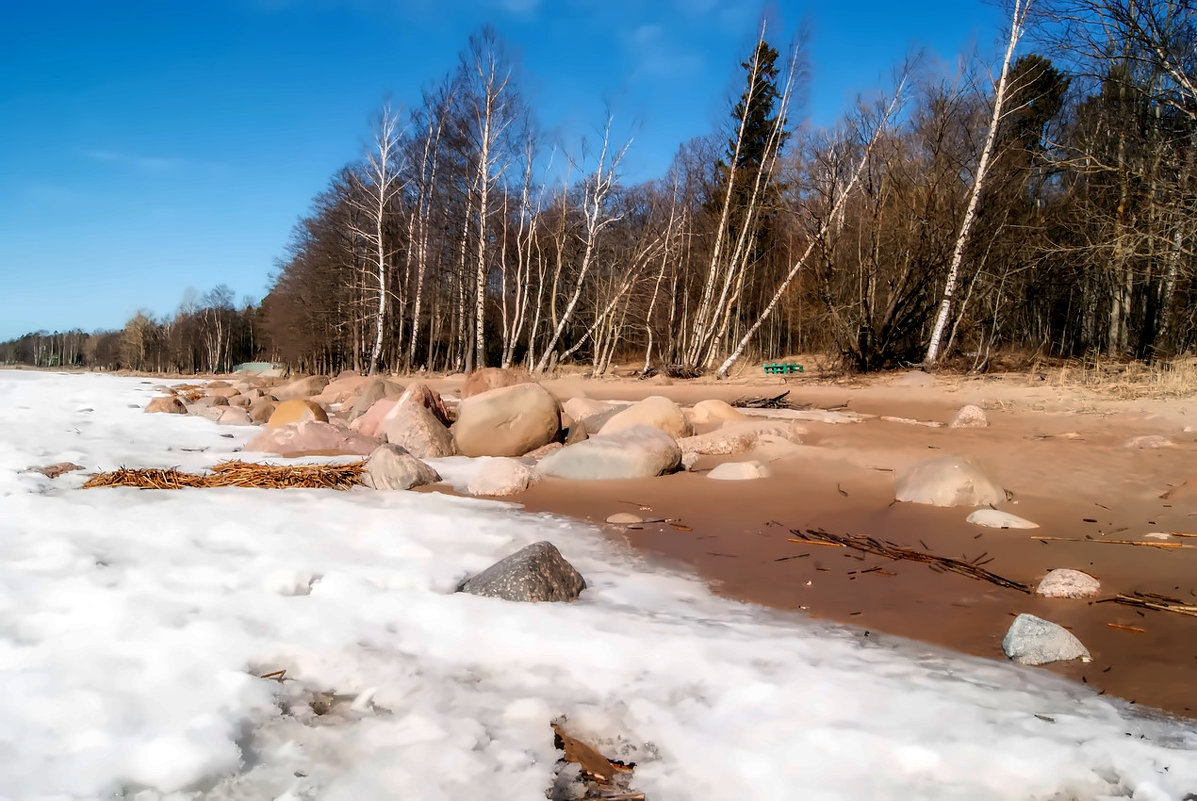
pixel 148 147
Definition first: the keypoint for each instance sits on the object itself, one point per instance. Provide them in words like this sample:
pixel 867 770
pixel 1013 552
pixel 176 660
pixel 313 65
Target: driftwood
pixel 767 402
pixel 971 568
pixel 237 474
pixel 604 778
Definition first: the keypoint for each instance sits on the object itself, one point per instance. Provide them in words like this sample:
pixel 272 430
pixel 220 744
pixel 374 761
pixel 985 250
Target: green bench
pixel 782 368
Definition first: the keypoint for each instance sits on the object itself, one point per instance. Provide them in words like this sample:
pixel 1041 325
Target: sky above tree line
pixel 154 146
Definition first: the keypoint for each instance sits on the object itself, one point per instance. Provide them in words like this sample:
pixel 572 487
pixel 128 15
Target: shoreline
pixel 735 535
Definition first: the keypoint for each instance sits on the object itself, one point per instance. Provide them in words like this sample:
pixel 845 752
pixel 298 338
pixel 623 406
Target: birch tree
pixel 377 186
pixel 1018 18
pixel 597 216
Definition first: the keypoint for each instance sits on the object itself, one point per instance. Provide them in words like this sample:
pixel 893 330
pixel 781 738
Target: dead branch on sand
pixel 237 474
pixel 871 545
pixel 1150 600
pixel 1165 545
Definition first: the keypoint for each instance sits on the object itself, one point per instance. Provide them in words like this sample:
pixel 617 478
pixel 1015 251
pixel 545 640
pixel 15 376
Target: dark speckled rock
pixel 536 573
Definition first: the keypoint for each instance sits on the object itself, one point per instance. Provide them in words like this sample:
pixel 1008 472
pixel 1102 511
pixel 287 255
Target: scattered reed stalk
pixel 1150 600
pixel 871 545
pixel 1170 546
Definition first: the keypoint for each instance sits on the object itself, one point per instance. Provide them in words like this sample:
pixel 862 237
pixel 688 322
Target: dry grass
pixel 237 474
pixel 1131 380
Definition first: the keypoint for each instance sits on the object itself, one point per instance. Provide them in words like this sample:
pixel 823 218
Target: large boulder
pixel 166 404
pixel 580 409
pixel 300 388
pixel 371 422
pixel 948 481
pixel 502 476
pixel 311 437
pixel 212 400
pixel 1034 641
pixel 370 393
pixel 224 391
pixel 420 393
pixel 342 388
pixel 241 401
pixel 509 421
pixel 233 416
pixel 417 430
pixel 536 573
pixel 636 452
pixel 654 410
pixel 261 410
pixel 391 467
pixel 715 412
pixel 489 378
pixel 294 411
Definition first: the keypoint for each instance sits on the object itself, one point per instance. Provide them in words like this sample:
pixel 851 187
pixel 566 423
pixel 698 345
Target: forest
pixel 1040 205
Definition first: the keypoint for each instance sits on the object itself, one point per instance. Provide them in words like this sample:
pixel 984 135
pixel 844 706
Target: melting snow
pixel 133 625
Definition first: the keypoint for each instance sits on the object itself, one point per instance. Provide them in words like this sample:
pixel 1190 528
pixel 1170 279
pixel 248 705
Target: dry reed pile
pixel 237 474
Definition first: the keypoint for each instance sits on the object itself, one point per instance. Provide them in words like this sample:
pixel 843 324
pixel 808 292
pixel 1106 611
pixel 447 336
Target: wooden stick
pixel 1164 545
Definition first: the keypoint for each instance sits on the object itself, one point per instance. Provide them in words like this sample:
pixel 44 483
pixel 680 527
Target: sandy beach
pixel 1059 451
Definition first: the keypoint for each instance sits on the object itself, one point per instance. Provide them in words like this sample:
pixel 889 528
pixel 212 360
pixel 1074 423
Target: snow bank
pixel 133 625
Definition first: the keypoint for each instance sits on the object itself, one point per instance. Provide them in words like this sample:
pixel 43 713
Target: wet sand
pixel 736 534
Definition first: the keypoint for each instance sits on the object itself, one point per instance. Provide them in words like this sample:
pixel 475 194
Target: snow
pixel 134 625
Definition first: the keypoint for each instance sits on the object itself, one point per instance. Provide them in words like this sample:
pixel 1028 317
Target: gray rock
pixel 391 467
pixel 636 452
pixel 536 573
pixel 970 416
pixel 1034 641
pixel 1147 442
pixel 948 481
pixel 1064 582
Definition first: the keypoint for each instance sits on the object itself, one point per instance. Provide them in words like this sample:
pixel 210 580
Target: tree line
pixel 1041 205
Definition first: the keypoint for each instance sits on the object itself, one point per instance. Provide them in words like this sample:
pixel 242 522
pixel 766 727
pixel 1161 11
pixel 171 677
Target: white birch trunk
pixel 1018 18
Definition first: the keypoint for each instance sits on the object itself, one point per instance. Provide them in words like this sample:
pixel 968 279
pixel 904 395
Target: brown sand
pixel 735 533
